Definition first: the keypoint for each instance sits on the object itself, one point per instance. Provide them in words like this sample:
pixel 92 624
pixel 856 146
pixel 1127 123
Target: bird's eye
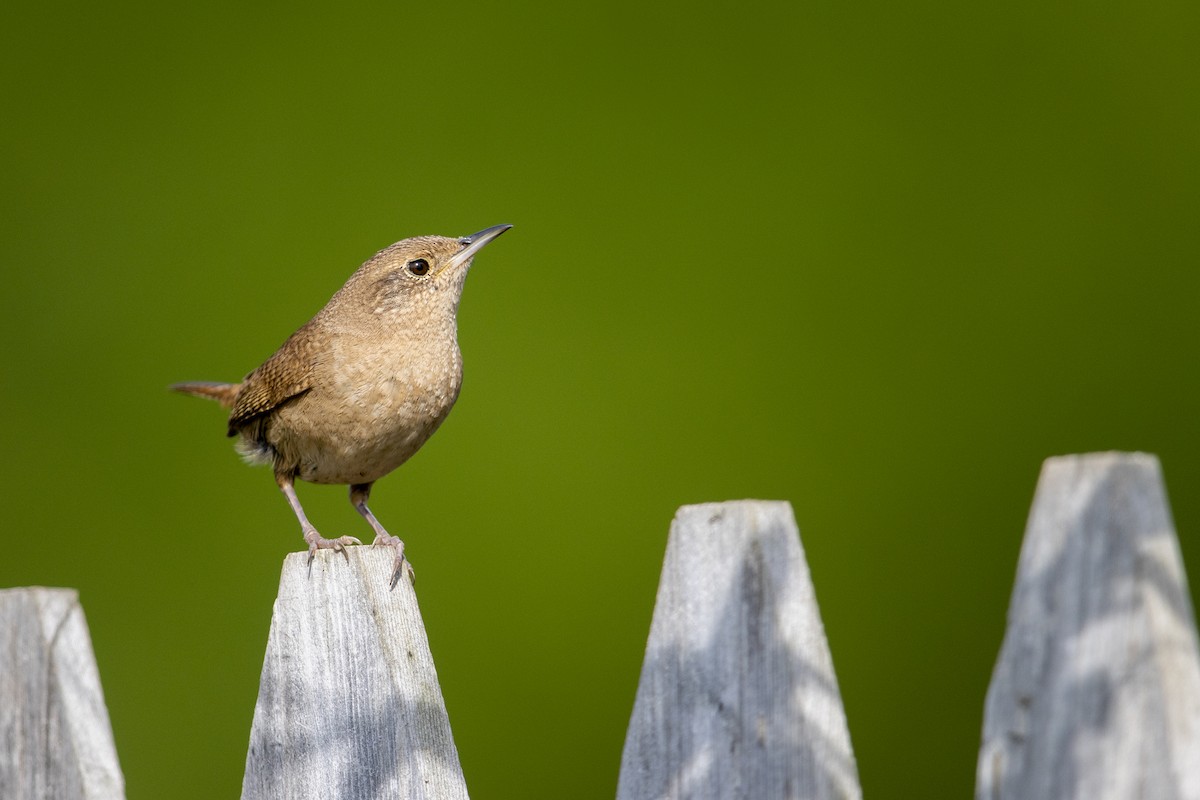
pixel 418 266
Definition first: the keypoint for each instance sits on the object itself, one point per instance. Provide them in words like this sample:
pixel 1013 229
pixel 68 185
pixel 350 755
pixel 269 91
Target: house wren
pixel 362 385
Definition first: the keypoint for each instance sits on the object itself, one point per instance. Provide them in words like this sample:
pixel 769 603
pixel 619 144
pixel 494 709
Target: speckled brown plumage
pixel 357 390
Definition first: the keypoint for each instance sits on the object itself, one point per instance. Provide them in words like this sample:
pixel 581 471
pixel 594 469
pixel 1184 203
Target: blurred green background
pixel 879 260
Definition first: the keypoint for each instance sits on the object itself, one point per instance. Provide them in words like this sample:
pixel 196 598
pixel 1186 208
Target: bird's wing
pixel 282 377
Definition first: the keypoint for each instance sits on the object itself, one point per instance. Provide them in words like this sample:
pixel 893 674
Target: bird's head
pixel 423 271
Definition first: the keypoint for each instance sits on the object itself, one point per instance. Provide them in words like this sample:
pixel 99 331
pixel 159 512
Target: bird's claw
pixel 387 540
pixel 317 542
pixel 401 564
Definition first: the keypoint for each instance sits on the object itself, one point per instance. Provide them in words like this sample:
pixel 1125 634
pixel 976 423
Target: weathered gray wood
pixel 56 741
pixel 1096 693
pixel 737 698
pixel 349 706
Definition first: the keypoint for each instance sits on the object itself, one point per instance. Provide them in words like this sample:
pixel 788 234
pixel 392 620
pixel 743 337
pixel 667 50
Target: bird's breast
pixel 366 419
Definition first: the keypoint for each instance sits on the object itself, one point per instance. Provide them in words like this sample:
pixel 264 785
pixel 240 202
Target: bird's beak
pixel 473 244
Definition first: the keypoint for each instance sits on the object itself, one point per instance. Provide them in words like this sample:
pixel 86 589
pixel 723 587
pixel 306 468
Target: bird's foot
pixel 387 540
pixel 318 542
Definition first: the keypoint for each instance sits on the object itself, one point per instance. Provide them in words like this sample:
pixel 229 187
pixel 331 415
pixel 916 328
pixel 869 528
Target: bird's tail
pixel 223 393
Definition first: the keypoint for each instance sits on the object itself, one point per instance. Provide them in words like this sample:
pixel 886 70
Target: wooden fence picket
pixel 1096 693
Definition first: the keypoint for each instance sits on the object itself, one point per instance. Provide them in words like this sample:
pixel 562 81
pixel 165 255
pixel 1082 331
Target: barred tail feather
pixel 223 393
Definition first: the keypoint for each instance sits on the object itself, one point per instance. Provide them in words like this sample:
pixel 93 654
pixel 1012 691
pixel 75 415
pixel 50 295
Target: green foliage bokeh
pixel 878 260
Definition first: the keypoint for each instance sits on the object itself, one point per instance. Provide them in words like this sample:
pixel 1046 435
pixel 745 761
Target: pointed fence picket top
pixel 349 706
pixel 56 741
pixel 737 697
pixel 1096 693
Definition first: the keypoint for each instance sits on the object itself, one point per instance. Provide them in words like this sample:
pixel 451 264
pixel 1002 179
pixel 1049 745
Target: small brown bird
pixel 362 385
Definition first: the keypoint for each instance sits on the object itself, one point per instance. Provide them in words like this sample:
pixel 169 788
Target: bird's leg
pixel 315 540
pixel 359 493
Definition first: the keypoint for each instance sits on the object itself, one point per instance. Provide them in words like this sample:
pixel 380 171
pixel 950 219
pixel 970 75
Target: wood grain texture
pixel 1096 692
pixel 349 705
pixel 737 698
pixel 56 741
